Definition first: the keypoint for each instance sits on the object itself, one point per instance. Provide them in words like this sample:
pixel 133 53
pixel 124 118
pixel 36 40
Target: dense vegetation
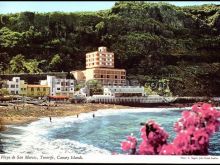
pixel 150 40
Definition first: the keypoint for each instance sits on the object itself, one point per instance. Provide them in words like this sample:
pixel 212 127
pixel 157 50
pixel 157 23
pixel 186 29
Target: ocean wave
pixel 34 138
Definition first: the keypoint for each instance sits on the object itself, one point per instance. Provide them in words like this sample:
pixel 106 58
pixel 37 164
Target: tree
pixel 94 86
pixel 55 63
pixel 10 39
pixel 4 61
pixel 17 64
pixel 31 66
pixel 3 91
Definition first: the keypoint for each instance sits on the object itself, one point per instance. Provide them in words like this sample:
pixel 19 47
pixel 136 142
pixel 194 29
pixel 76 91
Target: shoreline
pixel 24 114
pixel 27 113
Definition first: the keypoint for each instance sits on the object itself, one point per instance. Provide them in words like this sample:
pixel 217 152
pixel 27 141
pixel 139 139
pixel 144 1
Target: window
pixel 71 83
pixel 58 82
pixel 116 76
pixel 21 89
pixel 101 76
pixel 16 86
pixel 107 76
pixel 44 89
pixel 38 89
pixel 58 88
pixel 16 80
pixel 32 89
pixel 16 92
pixel 12 86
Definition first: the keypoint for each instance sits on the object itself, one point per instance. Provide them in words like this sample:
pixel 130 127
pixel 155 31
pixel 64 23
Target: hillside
pixel 150 40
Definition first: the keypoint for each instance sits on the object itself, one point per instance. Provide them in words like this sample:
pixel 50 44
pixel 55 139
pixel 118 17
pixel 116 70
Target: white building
pixel 59 86
pixel 123 91
pixel 13 86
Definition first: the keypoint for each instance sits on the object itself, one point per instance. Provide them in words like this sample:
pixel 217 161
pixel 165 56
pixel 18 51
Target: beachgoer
pixel 50 119
pixel 77 115
pixel 93 115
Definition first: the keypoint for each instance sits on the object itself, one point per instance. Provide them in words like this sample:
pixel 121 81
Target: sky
pixel 74 6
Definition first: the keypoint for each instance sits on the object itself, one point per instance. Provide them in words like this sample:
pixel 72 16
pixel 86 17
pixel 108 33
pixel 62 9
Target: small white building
pixel 59 86
pixel 124 91
pixel 13 86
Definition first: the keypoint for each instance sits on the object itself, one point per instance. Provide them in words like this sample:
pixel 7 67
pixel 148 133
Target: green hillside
pixel 150 40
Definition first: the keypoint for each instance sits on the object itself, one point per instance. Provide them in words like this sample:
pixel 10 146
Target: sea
pixel 97 132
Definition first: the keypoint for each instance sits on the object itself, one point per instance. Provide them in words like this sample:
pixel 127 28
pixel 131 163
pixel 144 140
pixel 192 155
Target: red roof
pixel 59 97
pixel 34 86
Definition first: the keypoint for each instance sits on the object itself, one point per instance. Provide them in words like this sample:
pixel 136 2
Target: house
pixel 37 90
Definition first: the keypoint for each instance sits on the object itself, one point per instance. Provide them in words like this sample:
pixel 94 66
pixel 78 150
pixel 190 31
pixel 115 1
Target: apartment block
pixel 100 59
pixel 107 76
pixel 100 66
pixel 59 86
pixel 14 85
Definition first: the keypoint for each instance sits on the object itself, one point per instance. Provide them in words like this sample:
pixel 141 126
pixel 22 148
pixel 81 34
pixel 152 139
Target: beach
pixel 25 113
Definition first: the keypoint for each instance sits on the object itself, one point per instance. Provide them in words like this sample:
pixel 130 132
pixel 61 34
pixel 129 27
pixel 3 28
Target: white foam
pixel 33 138
pixel 37 145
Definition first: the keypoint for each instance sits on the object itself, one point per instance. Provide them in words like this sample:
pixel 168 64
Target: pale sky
pixel 74 6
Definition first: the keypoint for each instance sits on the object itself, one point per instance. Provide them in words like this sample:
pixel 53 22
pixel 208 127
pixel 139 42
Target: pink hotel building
pixel 100 66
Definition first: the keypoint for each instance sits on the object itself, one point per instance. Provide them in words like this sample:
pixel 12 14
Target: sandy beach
pixel 25 113
pixel 19 113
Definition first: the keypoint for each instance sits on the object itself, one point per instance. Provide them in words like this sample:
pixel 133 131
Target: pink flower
pixel 169 149
pixel 206 106
pixel 151 136
pixel 146 149
pixel 126 145
pixel 193 132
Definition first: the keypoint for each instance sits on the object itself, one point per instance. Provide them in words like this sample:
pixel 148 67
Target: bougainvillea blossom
pixel 193 129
